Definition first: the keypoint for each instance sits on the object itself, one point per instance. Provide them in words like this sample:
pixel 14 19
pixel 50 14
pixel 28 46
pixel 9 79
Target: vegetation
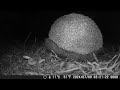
pixel 37 60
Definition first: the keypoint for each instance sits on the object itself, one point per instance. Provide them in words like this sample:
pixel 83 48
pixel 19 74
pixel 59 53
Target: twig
pixel 26 40
pixel 95 57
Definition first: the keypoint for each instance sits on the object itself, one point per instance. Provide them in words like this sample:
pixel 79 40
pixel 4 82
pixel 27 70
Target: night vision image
pixel 58 44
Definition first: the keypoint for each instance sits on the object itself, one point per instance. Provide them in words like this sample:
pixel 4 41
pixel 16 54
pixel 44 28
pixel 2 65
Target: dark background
pixel 15 25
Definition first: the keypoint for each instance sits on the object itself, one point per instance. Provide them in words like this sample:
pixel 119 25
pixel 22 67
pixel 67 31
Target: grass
pixel 37 60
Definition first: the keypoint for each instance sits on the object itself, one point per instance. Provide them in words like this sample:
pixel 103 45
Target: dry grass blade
pixel 26 40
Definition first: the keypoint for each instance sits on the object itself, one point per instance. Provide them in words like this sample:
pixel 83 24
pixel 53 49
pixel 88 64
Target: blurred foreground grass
pixel 37 60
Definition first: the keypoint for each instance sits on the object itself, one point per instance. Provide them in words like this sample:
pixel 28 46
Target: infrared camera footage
pixel 77 44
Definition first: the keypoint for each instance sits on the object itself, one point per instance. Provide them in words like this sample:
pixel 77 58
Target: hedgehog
pixel 76 33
